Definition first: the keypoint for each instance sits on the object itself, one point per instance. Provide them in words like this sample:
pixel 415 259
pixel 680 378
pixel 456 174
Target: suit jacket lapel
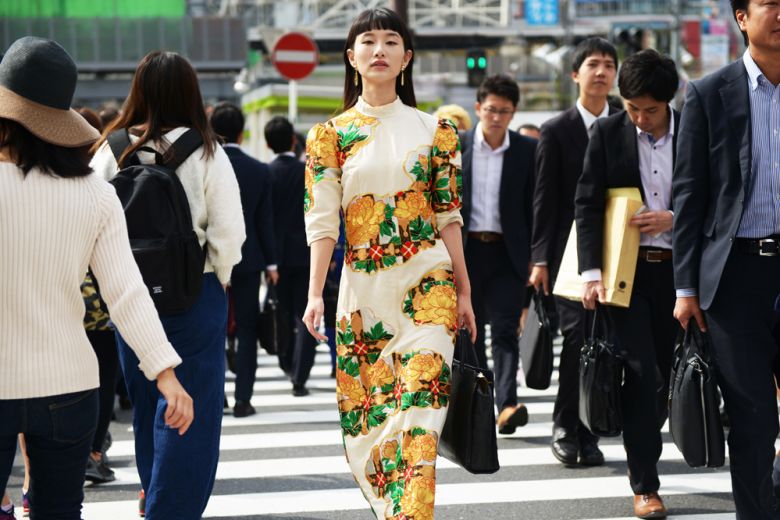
pixel 579 132
pixel 631 154
pixel 736 102
pixel 467 145
pixel 508 168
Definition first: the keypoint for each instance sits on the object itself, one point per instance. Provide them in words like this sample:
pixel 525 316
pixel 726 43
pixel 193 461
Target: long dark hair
pixel 372 20
pixel 164 95
pixel 28 151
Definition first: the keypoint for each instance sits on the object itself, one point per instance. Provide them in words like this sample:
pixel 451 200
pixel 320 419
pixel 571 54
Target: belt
pixel 486 236
pixel 769 246
pixel 654 255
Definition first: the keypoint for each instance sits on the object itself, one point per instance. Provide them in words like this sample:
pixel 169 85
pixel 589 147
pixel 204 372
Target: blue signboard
pixel 542 12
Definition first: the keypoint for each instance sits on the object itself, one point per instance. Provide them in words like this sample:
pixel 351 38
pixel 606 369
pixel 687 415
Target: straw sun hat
pixel 37 81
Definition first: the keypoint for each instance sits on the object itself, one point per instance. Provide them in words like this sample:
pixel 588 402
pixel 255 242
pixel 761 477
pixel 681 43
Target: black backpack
pixel 159 222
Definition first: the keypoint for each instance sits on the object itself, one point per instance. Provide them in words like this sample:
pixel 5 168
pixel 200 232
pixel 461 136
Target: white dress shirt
pixel 589 118
pixel 486 167
pixel 656 163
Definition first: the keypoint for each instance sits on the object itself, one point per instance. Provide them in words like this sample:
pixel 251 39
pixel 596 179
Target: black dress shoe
pixel 590 454
pixel 565 446
pixel 300 391
pixel 243 409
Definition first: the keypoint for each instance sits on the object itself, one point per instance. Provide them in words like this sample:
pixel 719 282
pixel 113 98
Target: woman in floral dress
pixel 395 173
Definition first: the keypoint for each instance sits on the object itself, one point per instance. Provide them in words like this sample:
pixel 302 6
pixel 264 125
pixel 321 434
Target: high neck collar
pixel 380 111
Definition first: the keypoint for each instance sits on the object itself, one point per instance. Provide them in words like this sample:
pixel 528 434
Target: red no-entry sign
pixel 295 55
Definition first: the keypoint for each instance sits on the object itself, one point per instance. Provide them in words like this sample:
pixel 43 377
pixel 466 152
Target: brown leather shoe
pixel 649 505
pixel 511 417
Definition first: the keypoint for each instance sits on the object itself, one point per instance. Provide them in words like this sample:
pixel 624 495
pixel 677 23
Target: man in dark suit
pixel 287 174
pixel 257 254
pixel 498 176
pixel 637 149
pixel 727 242
pixel 559 158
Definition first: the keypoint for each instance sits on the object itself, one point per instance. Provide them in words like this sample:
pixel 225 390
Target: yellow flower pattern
pixel 412 205
pixel 362 219
pixel 434 300
pixel 405 478
pixel 322 161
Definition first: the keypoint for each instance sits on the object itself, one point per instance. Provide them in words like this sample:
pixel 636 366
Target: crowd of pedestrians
pixel 400 231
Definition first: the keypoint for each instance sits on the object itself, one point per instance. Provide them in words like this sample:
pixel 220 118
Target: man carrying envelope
pixel 636 149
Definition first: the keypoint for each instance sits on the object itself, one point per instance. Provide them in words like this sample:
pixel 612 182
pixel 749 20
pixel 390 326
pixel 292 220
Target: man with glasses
pixel 498 178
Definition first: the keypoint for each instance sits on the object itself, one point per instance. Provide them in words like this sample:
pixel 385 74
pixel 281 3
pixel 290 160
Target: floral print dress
pixel 394 174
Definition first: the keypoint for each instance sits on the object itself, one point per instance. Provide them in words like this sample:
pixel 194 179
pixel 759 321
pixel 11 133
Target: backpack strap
pixel 119 141
pixel 182 148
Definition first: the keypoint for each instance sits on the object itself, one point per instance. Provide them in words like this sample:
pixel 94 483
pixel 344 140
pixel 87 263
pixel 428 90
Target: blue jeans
pixel 177 472
pixel 58 430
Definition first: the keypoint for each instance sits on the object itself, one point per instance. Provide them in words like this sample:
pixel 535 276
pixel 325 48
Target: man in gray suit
pixel 727 242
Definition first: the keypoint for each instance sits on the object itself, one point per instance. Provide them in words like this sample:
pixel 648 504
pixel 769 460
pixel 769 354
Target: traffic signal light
pixel 476 66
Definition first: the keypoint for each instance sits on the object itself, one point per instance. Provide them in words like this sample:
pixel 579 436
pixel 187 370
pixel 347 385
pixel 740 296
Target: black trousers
pixel 645 333
pixel 497 295
pixel 104 344
pixel 293 292
pixel 571 315
pixel 245 289
pixel 743 326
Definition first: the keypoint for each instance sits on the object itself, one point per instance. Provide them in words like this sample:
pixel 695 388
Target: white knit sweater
pixel 212 192
pixel 52 229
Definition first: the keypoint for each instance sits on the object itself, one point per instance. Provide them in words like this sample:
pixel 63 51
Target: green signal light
pixel 470 62
pixel 482 62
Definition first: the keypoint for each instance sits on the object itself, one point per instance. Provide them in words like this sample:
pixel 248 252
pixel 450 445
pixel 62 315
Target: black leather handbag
pixel 536 343
pixel 469 434
pixel 694 413
pixel 601 380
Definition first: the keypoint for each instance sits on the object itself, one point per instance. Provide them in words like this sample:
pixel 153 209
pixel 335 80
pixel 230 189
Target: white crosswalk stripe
pixel 287 462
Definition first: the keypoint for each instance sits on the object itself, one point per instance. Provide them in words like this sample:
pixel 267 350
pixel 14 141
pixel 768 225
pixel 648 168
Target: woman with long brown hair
pixel 395 173
pixel 177 472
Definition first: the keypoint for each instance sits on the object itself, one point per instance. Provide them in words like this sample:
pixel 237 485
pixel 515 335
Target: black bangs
pixel 381 19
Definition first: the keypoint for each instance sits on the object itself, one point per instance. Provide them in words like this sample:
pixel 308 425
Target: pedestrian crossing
pixel 287 462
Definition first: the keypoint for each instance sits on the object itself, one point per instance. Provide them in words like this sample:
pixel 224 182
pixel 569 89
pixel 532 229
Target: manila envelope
pixel 621 248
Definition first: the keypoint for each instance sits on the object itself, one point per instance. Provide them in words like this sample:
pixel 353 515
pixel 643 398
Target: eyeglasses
pixel 496 112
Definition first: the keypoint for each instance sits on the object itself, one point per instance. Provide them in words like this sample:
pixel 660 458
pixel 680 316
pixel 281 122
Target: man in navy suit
pixel 287 174
pixel 498 185
pixel 559 159
pixel 257 254
pixel 727 242
pixel 636 148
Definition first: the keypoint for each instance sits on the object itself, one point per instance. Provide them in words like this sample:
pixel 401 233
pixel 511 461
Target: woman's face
pixel 379 55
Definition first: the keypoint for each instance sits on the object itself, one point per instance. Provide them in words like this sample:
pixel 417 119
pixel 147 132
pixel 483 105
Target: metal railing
pixel 105 45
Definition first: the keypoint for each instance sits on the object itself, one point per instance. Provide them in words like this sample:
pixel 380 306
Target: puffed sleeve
pixel 322 200
pixel 446 181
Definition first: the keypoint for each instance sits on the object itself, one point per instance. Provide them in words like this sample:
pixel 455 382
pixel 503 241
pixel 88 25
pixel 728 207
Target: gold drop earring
pixel 403 68
pixel 357 77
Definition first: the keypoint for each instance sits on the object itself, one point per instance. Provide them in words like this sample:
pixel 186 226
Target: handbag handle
pixel 464 351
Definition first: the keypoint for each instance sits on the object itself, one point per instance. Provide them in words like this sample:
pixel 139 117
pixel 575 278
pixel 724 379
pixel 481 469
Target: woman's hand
pixel 180 412
pixel 312 317
pixel 466 316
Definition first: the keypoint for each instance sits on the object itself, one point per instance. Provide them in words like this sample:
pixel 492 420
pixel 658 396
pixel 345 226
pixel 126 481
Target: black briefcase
pixel 536 343
pixel 694 413
pixel 273 328
pixel 601 380
pixel 469 434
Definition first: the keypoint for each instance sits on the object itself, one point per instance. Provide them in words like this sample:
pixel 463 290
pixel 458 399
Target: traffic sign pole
pixel 292 103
